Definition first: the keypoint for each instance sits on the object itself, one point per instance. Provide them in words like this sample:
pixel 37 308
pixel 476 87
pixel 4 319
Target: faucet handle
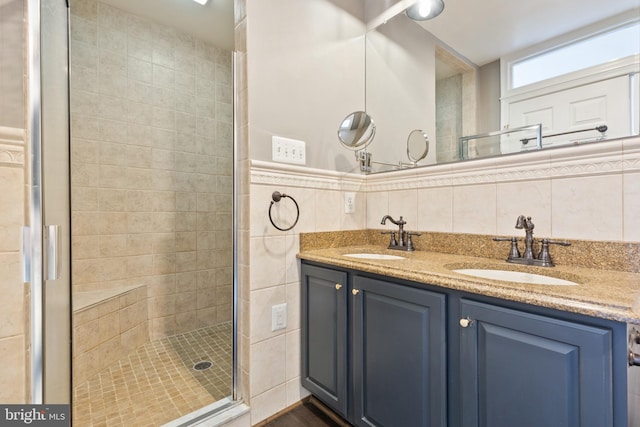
pixel 393 241
pixel 410 246
pixel 544 256
pixel 556 242
pixel 514 253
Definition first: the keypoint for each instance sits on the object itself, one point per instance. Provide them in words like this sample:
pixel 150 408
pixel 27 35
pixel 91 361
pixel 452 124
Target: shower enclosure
pixel 151 191
pixel 150 146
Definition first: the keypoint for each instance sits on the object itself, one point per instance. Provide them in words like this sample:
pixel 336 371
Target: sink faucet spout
pixel 525 222
pixel 399 222
pixel 404 241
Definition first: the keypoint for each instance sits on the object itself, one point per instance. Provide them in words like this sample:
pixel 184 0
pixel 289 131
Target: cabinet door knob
pixel 466 322
pixel 355 291
pixel 338 286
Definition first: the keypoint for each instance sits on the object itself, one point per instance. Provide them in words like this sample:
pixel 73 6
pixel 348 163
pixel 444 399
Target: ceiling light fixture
pixel 425 9
pixel 202 2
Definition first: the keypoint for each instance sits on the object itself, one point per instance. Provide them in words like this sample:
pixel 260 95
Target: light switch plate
pixel 278 317
pixel 287 150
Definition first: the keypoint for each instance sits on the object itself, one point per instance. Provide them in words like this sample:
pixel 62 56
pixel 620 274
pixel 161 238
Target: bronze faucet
pixel 404 241
pixel 528 257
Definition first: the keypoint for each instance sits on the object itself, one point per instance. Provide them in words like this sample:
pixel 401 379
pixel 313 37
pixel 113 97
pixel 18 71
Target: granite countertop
pixel 608 294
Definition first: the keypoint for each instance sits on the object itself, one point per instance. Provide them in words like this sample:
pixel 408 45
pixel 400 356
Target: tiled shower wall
pixel 14 317
pixel 448 117
pixel 151 139
pixel 13 312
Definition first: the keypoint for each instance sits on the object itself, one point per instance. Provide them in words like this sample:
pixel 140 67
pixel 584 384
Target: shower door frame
pixel 46 248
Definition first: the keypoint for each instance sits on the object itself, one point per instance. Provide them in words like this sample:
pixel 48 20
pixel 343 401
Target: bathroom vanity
pixel 409 342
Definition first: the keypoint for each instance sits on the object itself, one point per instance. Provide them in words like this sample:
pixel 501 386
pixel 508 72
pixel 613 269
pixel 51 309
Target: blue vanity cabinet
pixel 399 355
pixel 527 370
pixel 387 352
pixel 324 335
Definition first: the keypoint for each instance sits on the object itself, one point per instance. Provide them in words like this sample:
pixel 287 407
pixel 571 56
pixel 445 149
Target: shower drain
pixel 202 366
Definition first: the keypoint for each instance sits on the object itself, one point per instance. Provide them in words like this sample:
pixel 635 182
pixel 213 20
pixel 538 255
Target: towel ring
pixel 277 196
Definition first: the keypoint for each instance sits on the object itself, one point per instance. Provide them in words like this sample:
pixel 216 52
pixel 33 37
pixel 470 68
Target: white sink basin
pixel 374 256
pixel 515 276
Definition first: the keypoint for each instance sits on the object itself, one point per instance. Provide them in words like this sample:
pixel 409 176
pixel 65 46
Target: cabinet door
pixel 526 370
pixel 324 335
pixel 399 355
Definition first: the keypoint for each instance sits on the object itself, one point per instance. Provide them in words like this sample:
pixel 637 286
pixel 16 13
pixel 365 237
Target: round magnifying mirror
pixel 417 146
pixel 356 130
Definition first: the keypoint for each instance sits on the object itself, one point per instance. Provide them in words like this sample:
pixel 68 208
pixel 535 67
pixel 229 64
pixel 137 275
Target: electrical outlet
pixel 278 317
pixel 349 203
pixel 288 150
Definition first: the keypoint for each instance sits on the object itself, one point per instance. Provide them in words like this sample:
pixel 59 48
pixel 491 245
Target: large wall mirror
pixel 479 69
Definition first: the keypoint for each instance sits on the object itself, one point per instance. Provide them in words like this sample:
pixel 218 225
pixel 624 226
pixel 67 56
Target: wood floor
pixel 308 414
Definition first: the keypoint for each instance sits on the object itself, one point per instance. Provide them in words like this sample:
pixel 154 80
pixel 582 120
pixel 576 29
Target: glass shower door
pixel 152 186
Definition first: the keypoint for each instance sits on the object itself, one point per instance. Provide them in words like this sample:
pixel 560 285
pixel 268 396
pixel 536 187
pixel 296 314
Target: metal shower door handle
pixel 52 248
pixel 26 254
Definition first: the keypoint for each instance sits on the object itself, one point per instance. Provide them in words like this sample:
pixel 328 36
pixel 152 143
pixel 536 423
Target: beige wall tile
pixel 13 370
pixel 85 175
pixel 161 285
pixel 186 301
pixel 139 244
pixel 267 369
pixel 112 222
pixel 293 306
pixel 261 303
pixel 128 317
pixel 403 203
pixel 377 207
pixel 631 225
pixel 85 337
pixel 112 200
pixel 186 321
pixel 293 355
pixel 435 210
pixel 139 266
pixel 295 391
pixel 207 316
pixel 162 327
pixel 268 262
pixel 587 207
pixel 109 326
pixel 186 261
pixel 530 198
pixel 186 281
pixel 266 404
pixel 474 209
pixel 162 306
pixel 114 245
pixel 84 151
pixel 85 198
pixel 109 352
pixel 12 303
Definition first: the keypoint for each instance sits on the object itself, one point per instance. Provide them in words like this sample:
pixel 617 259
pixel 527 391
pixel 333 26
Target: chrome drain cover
pixel 202 366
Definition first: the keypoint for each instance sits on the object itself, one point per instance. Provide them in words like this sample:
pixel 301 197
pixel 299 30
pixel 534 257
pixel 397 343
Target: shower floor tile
pixel 157 383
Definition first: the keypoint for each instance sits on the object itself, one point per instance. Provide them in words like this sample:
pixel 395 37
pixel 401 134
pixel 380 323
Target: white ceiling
pixel 212 22
pixel 480 30
pixel 484 30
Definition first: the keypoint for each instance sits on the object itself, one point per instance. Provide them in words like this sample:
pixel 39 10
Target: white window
pixel 618 43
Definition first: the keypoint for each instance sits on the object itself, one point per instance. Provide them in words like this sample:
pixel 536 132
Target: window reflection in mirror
pixel 465 98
